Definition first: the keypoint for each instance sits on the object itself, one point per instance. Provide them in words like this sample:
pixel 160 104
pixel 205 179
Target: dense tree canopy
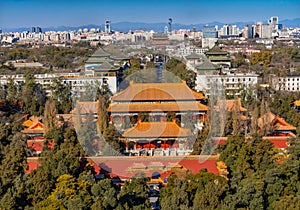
pixel 178 68
pixel 50 56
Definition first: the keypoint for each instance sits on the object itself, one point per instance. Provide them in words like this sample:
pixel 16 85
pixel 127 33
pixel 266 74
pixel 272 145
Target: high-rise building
pixel 254 30
pixel 0 30
pixel 229 30
pixel 66 36
pixel 210 32
pixel 234 30
pixel 38 30
pixel 166 30
pixel 266 31
pixel 224 30
pixel 245 32
pixel 170 24
pixel 23 35
pixel 107 26
pixel 273 22
pixel 258 29
pixel 249 31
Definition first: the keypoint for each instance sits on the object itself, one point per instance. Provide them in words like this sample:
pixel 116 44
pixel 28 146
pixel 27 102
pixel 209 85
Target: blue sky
pixel 26 13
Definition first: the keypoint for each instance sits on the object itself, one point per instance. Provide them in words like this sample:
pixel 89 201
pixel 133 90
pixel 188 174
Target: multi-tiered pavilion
pixel 157 100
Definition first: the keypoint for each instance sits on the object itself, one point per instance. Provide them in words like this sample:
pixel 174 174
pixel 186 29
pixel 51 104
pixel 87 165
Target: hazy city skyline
pixel 26 13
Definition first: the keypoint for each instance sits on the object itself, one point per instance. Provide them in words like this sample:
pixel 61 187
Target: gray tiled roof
pixel 100 53
pixel 105 66
pixel 206 65
pixel 194 55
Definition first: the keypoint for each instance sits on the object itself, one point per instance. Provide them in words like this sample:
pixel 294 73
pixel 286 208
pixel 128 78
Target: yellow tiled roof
pixel 156 130
pixel 36 127
pixel 86 107
pixel 27 123
pixel 157 92
pixel 277 122
pixel 158 107
pixel 297 103
pixel 230 104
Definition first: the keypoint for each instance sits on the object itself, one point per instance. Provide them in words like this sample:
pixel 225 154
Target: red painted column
pixel 127 146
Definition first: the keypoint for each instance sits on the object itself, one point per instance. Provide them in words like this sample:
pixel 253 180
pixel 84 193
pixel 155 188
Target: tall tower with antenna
pixel 170 24
pixel 107 26
pixel 194 40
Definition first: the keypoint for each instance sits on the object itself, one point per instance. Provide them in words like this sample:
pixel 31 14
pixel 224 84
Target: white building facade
pixel 233 84
pixel 78 83
pixel 288 83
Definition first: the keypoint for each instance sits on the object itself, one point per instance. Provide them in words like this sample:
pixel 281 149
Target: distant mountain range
pixel 159 27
